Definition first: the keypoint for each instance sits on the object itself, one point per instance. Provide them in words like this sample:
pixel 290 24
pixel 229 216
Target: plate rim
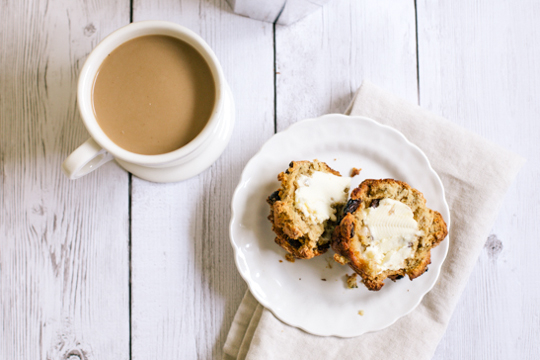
pixel 240 184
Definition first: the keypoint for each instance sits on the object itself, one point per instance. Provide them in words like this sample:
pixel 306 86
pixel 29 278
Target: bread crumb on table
pixel 361 312
pixel 289 258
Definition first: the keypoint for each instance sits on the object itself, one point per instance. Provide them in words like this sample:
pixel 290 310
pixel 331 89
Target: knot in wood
pixel 493 246
pixel 75 354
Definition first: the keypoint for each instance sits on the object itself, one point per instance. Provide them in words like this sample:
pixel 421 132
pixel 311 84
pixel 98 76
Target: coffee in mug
pixel 153 94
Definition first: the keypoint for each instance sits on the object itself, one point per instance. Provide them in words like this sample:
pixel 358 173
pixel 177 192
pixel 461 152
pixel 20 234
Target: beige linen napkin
pixel 476 174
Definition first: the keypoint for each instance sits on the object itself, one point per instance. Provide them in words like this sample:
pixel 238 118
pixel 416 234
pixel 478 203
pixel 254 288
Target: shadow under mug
pixel 177 165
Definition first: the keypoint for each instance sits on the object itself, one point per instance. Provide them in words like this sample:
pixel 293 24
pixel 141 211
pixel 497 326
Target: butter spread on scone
pixel 303 211
pixel 393 230
pixel 387 231
pixel 318 193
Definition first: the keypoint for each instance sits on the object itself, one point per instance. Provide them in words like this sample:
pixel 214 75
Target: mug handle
pixel 85 159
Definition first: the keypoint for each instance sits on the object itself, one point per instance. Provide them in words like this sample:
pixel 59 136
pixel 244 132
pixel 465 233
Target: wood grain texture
pixel 185 286
pixel 478 66
pixel 63 244
pixel 322 60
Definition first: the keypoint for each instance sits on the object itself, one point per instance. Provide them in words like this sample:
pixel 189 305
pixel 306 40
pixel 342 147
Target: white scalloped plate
pixel 309 294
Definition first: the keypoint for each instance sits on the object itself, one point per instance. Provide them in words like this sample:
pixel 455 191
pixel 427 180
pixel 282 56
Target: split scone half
pixel 387 231
pixel 303 211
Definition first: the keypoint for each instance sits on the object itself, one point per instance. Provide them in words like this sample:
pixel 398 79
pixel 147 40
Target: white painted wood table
pixel 114 267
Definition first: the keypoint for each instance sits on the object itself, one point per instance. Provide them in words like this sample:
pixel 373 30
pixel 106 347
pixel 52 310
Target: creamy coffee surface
pixel 153 94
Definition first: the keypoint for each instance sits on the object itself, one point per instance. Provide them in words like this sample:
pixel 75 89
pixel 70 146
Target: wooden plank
pixel 185 286
pixel 322 59
pixel 479 67
pixel 64 281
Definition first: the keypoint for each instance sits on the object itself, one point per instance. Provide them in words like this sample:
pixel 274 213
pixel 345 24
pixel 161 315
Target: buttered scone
pixel 303 211
pixel 387 231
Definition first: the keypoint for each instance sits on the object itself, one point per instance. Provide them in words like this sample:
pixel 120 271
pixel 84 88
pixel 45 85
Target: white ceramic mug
pixel 180 164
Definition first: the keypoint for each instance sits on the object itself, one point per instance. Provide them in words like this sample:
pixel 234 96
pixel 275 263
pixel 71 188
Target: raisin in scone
pixel 303 210
pixel 387 231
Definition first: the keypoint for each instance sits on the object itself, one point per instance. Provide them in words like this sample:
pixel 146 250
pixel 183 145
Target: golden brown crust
pixel 350 237
pixel 296 234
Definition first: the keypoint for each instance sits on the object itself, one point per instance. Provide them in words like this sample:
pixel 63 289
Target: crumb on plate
pixel 289 258
pixel 355 171
pixel 351 281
